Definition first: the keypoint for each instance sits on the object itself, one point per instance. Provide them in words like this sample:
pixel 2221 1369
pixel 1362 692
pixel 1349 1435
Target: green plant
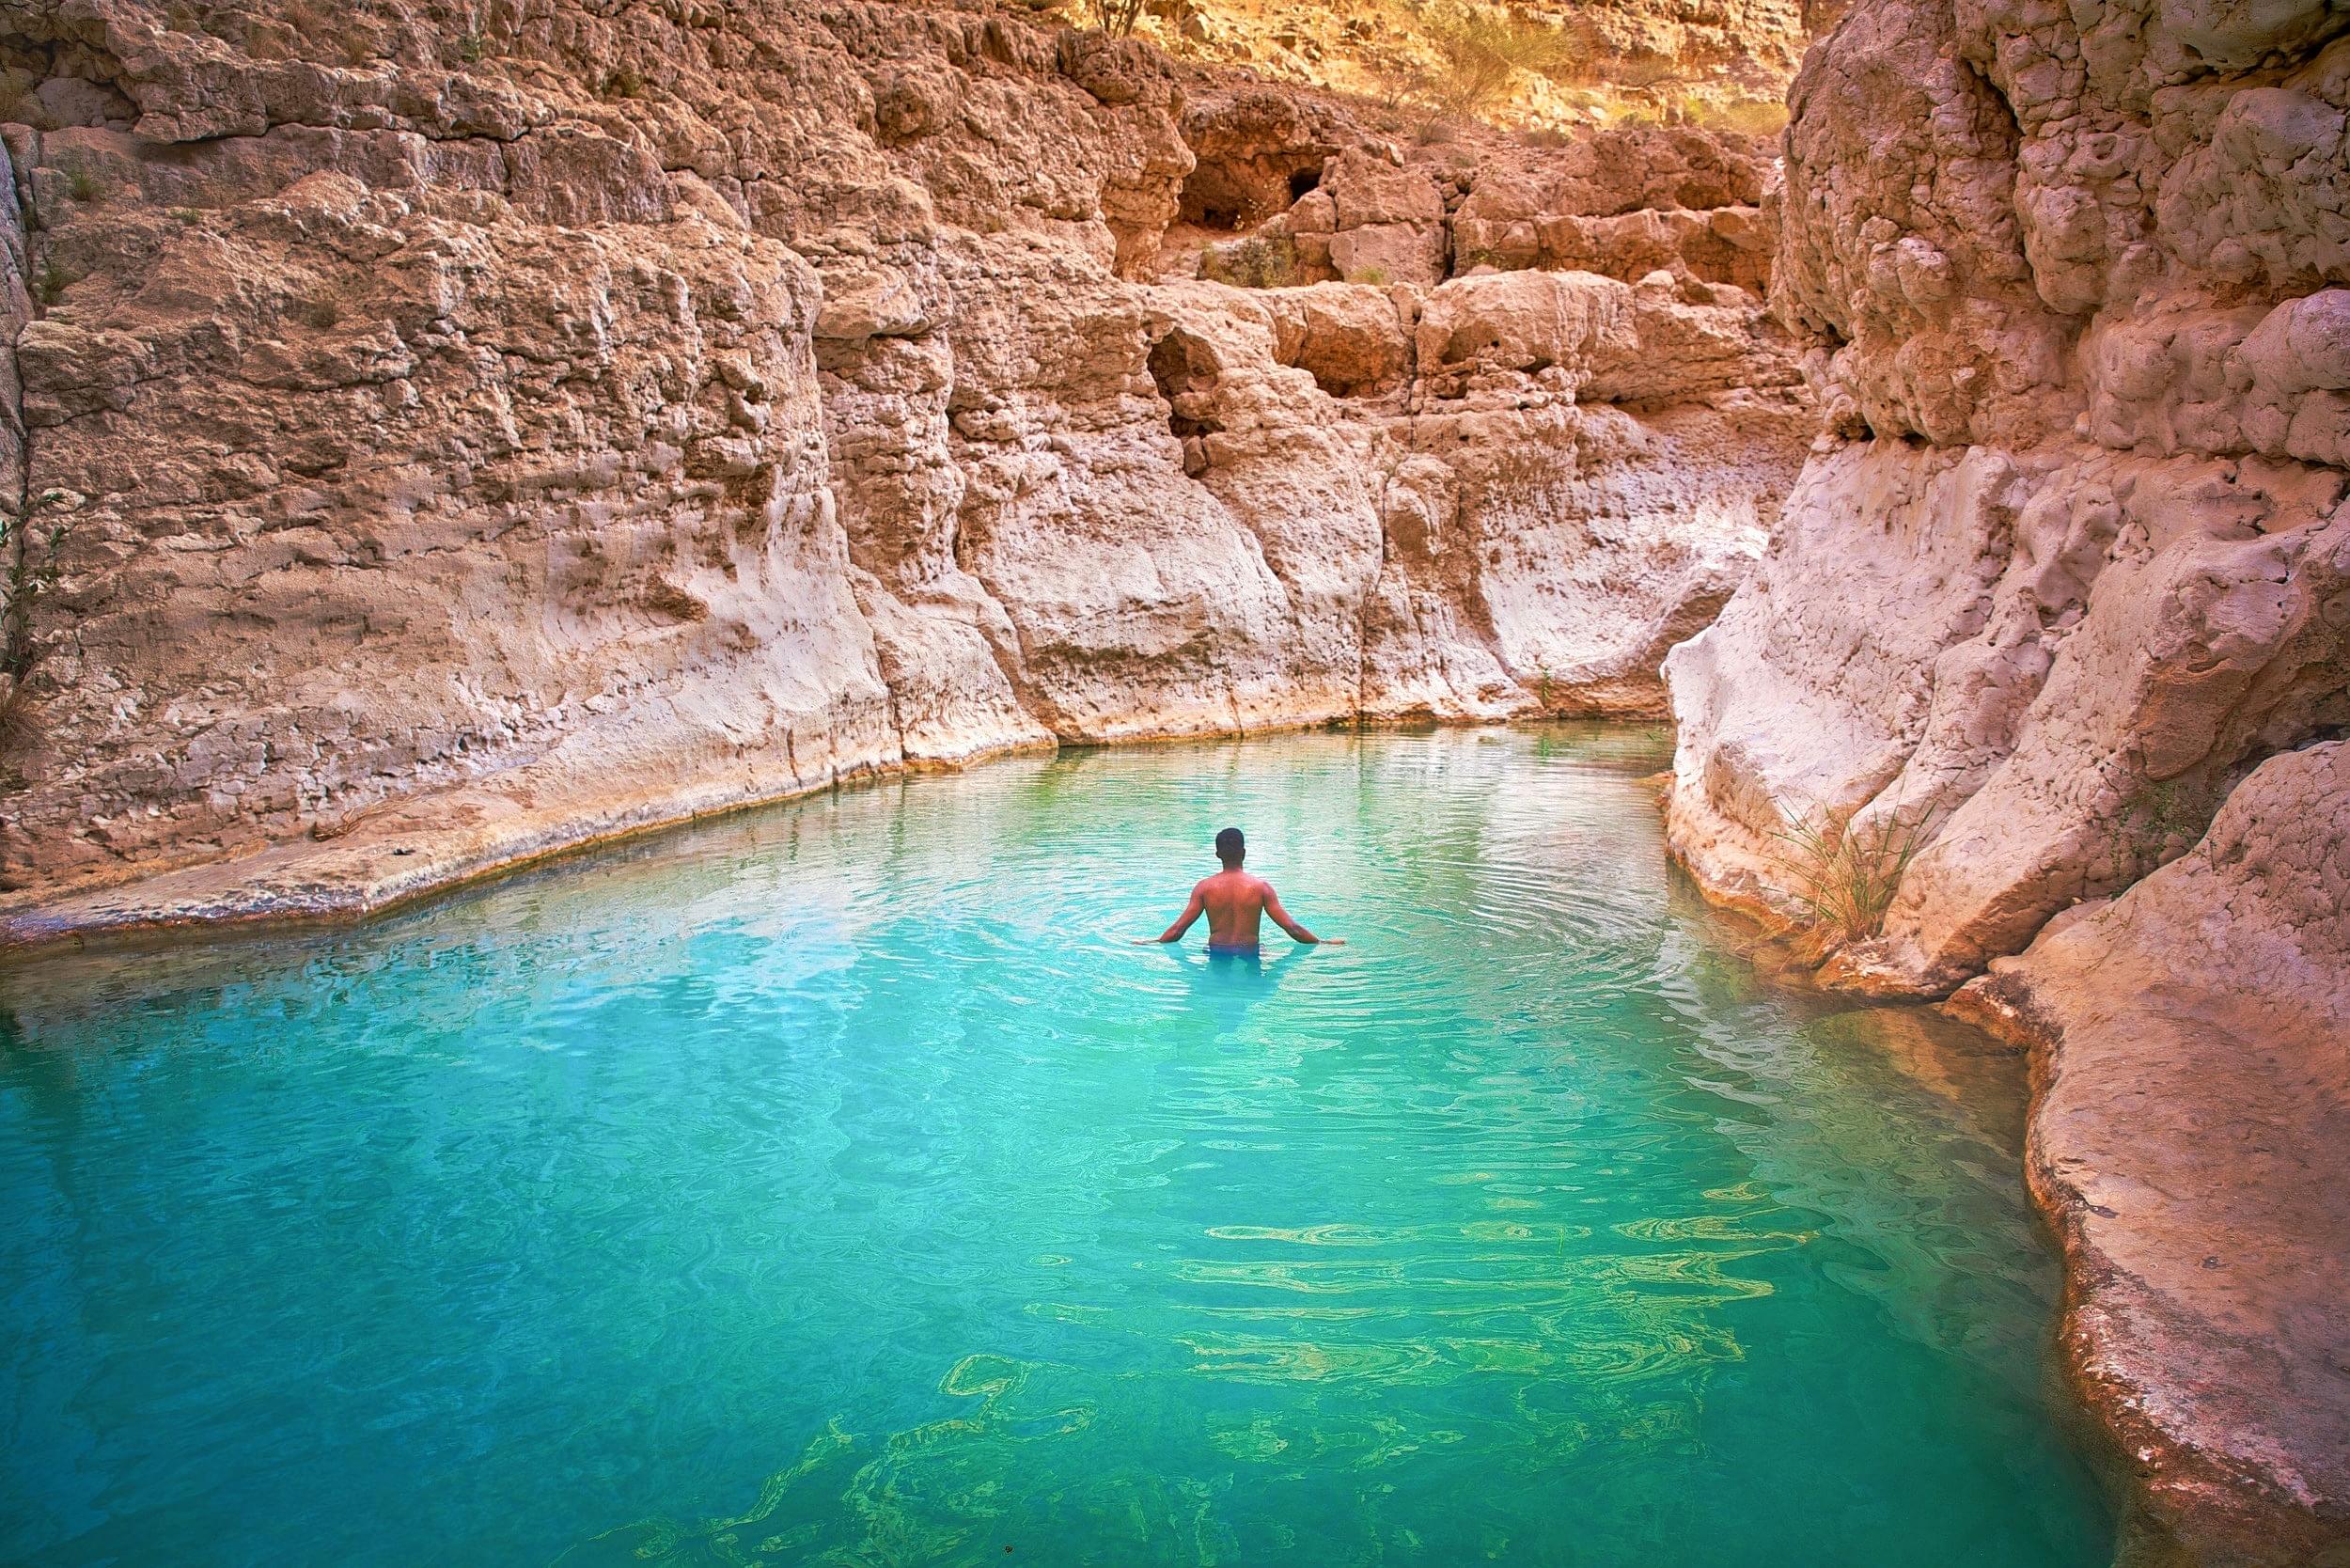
pixel 1257 262
pixel 30 550
pixel 622 82
pixel 1846 876
pixel 186 217
pixel 1375 275
pixel 82 183
pixel 471 47
pixel 2160 813
pixel 51 281
pixel 1478 52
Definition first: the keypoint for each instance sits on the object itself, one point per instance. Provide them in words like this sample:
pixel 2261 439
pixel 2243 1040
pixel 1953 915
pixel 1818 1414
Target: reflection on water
pixel 1225 986
pixel 835 1185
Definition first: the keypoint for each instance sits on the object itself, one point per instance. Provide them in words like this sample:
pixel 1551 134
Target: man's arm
pixel 1182 922
pixel 1297 932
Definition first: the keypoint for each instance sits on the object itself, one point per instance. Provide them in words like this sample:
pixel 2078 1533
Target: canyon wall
pixel 1585 61
pixel 2062 602
pixel 481 430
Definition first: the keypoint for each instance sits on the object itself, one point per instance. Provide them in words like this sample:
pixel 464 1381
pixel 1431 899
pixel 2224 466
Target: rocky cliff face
pixel 2065 595
pixel 490 435
pixel 1579 61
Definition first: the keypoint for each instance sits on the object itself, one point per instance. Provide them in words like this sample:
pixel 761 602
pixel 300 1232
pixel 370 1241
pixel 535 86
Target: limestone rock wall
pixel 499 429
pixel 2204 1014
pixel 1319 202
pixel 2066 580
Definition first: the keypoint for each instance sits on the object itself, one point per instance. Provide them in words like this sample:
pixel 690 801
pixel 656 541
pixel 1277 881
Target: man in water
pixel 1234 899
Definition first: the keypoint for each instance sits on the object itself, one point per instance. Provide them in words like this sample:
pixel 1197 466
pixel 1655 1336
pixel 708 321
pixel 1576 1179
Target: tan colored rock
pixel 491 442
pixel 2068 568
pixel 1389 253
pixel 1593 338
pixel 1364 189
pixel 1249 146
pixel 2190 1141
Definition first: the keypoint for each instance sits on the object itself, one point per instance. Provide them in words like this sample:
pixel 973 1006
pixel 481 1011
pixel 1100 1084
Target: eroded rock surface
pixel 2070 566
pixel 2190 1137
pixel 494 439
pixel 1625 204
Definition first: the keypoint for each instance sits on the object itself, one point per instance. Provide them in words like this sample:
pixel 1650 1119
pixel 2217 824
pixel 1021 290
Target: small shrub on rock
pixel 1260 261
pixel 30 539
pixel 1845 876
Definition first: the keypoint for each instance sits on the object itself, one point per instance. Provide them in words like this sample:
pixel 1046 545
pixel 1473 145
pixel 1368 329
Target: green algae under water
pixel 833 1185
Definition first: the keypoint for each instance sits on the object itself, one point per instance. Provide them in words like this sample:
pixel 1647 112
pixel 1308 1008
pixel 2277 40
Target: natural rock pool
pixel 835 1185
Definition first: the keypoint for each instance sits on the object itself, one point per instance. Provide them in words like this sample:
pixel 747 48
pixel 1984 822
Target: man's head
pixel 1231 847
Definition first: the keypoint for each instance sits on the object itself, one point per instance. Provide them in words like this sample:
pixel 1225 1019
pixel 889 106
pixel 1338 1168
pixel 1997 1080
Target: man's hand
pixel 1331 942
pixel 1144 941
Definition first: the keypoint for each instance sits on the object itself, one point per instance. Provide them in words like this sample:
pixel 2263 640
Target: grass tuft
pixel 1846 877
pixel 50 282
pixel 82 183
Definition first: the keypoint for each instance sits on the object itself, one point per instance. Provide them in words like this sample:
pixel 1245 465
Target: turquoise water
pixel 834 1185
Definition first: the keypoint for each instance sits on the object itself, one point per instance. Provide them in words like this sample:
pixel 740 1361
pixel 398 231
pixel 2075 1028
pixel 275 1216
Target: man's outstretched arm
pixel 1182 922
pixel 1297 932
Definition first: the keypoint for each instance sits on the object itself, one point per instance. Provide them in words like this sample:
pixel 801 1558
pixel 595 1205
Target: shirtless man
pixel 1234 899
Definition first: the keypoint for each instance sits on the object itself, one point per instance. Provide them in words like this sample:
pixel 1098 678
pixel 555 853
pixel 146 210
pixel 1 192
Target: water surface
pixel 833 1185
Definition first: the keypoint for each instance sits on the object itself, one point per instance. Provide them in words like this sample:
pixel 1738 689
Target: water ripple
pixel 837 1185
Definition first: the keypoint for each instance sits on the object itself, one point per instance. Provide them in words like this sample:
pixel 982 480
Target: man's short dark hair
pixel 1230 846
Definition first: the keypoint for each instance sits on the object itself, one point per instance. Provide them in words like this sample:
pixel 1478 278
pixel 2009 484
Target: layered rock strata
pixel 1323 209
pixel 490 436
pixel 2062 603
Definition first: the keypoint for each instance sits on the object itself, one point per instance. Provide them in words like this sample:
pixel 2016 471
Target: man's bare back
pixel 1233 900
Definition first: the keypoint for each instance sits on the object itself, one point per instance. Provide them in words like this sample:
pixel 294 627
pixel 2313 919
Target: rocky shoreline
pixel 2057 607
pixel 468 448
